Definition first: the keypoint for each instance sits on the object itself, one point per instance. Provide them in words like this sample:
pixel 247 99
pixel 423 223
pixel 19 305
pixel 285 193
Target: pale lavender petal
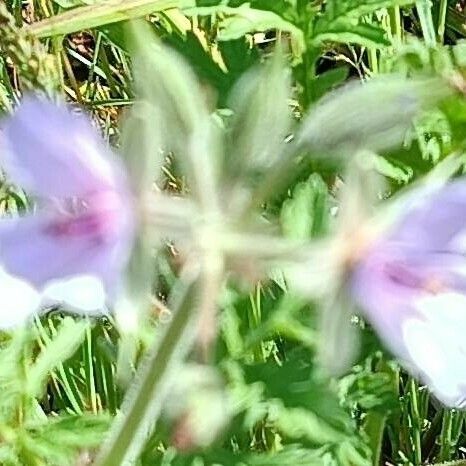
pixel 414 295
pixel 51 152
pixel 36 250
pixel 384 301
pixel 433 220
pixel 422 327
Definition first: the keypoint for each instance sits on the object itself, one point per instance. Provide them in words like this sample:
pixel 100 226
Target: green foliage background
pixel 262 399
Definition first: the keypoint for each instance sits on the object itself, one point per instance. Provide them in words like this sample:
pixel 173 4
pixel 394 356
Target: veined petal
pixel 54 153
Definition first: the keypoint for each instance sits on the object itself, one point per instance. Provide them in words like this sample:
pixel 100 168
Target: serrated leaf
pixel 301 424
pixel 294 383
pixel 61 440
pixel 371 390
pixel 341 22
pixel 12 375
pixel 246 20
pixel 85 431
pixel 292 455
pixel 358 8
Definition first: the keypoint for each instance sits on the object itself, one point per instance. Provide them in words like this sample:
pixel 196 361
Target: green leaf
pixel 370 390
pixel 61 440
pixel 13 356
pixel 292 455
pixel 294 382
pixel 326 81
pixel 301 424
pixel 190 47
pixel 345 31
pixel 342 22
pixel 357 8
pixel 305 215
pixel 284 8
pixel 91 16
pixel 236 55
pixel 246 20
pixel 84 431
pixel 302 408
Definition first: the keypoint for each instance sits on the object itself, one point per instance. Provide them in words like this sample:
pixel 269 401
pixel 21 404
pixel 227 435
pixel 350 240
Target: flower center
pixel 96 219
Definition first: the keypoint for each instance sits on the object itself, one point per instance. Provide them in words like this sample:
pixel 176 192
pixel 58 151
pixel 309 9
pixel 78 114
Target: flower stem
pixel 424 12
pixel 144 400
pixel 416 423
pixel 445 437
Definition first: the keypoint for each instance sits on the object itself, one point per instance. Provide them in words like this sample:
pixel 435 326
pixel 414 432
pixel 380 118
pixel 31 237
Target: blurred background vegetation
pixel 262 400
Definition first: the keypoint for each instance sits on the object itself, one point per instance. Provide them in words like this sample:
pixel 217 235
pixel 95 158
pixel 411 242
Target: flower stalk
pixel 143 404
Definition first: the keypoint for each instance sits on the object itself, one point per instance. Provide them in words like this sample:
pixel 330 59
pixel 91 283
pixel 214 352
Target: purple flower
pixel 411 285
pixel 75 246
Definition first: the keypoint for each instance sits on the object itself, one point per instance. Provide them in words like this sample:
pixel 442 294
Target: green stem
pixel 416 423
pixel 424 12
pixel 442 14
pixel 445 437
pixel 373 60
pixel 395 23
pixel 143 403
pixel 255 318
pixel 374 427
